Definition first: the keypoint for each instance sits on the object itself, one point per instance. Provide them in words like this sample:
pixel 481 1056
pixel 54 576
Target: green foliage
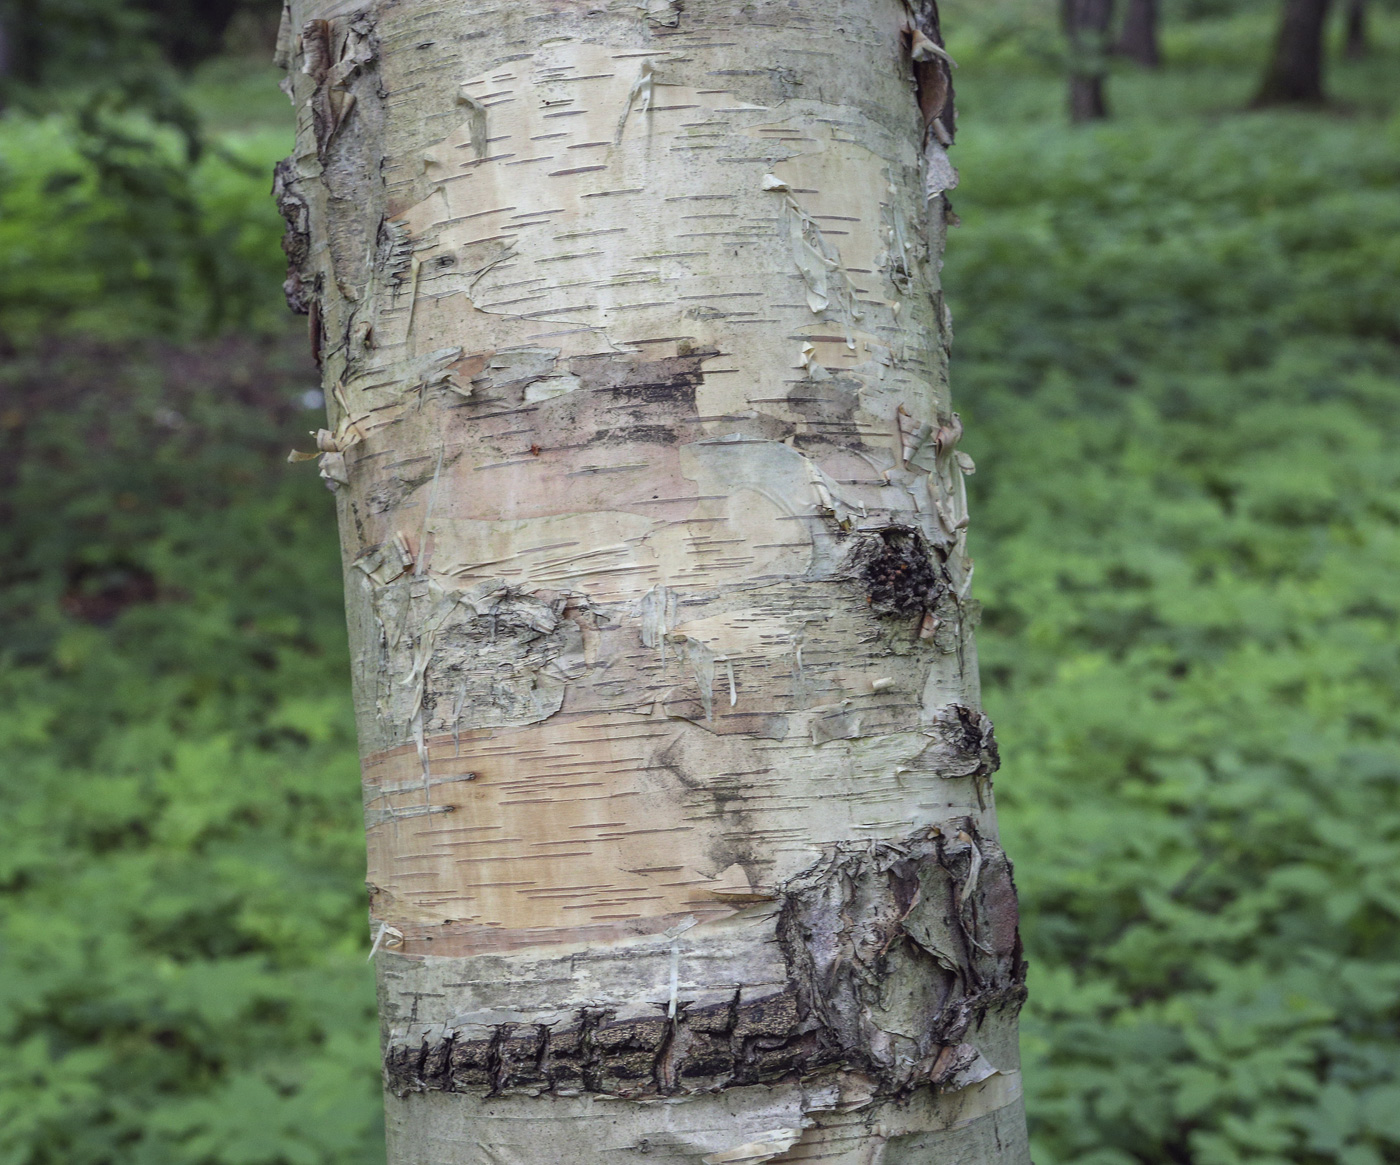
pixel 51 43
pixel 109 226
pixel 1181 361
pixel 119 215
pixel 182 950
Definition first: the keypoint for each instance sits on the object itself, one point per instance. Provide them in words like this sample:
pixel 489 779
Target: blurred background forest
pixel 1178 354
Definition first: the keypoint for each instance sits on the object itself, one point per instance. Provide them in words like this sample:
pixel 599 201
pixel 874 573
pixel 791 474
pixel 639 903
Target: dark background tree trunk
pixel 1294 72
pixel 1137 40
pixel 1087 24
pixel 57 42
pixel 1356 41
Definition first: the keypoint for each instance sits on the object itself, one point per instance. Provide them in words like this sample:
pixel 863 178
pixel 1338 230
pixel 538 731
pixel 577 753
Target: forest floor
pixel 1178 358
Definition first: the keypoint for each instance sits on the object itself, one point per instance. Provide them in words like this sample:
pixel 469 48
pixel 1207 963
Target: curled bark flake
pixel 316 64
pixel 394 251
pixel 332 72
pixel 933 72
pixel 962 745
pixel 476 113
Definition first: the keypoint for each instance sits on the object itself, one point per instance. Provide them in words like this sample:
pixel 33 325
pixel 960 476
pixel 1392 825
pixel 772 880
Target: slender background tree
pixel 1293 74
pixel 1356 42
pixel 1137 39
pixel 1088 27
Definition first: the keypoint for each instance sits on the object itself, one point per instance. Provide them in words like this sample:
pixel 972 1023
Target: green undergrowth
pixel 1178 353
pixel 1179 358
pixel 182 944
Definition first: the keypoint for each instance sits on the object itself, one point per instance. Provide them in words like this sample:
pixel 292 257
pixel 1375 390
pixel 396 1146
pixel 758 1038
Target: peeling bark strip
pixel 933 72
pixel 895 952
pixel 677 786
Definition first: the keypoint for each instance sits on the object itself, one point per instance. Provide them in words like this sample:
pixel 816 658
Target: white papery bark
pixel 681 843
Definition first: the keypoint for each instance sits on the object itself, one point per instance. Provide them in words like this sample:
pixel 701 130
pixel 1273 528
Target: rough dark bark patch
pixel 962 744
pixel 872 933
pixel 347 107
pixel 299 287
pixel 902 576
pixel 895 952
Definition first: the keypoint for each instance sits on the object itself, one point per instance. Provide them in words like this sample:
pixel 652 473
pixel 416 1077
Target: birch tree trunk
pixel 681 836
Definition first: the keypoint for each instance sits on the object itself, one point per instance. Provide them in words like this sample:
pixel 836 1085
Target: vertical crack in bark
pixel 933 74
